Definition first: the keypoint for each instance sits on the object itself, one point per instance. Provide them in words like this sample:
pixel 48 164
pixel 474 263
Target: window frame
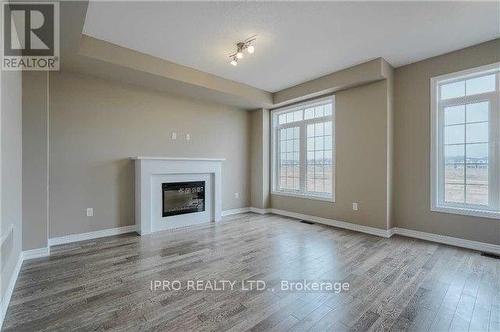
pixel 437 143
pixel 275 127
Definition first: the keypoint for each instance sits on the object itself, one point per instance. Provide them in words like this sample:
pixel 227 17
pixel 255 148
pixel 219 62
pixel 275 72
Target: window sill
pixel 317 198
pixel 467 212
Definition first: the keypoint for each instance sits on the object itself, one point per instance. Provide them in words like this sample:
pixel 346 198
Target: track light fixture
pixel 246 45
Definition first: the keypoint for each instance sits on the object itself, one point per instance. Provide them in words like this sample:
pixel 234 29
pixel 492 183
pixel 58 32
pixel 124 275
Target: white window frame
pixel 303 149
pixel 437 145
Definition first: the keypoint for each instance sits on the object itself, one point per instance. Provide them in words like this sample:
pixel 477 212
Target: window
pixel 303 150
pixel 465 172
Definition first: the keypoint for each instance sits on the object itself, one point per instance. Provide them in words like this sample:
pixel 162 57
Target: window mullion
pixel 441 156
pixel 495 107
pixel 303 157
pixel 491 156
pixel 465 152
pixel 494 165
pixel 277 179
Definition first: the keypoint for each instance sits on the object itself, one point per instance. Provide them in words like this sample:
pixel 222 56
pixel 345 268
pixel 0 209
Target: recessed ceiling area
pixel 296 41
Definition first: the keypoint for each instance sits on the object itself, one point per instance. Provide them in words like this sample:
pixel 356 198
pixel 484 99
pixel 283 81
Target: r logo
pixel 30 36
pixel 33 24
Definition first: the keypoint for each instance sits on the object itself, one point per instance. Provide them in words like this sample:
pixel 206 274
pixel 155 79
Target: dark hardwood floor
pixel 395 284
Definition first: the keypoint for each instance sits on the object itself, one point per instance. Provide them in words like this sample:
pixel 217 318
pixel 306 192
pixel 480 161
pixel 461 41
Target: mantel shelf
pixel 177 158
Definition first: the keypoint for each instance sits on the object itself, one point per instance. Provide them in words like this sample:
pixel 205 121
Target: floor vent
pixel 307 222
pixel 488 254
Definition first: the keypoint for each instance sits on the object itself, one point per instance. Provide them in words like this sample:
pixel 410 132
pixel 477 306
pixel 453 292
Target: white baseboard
pixel 454 241
pixel 260 211
pixel 235 211
pixel 245 210
pixel 468 244
pixel 325 221
pixel 4 304
pixel 91 235
pixel 335 223
pixel 36 253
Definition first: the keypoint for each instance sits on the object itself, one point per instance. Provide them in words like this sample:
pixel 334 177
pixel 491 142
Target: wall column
pixel 260 159
pixel 35 158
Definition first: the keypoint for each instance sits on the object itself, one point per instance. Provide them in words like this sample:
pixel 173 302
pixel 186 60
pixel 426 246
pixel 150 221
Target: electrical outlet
pixel 188 137
pixel 174 135
pixel 237 195
pixel 355 206
pixel 90 212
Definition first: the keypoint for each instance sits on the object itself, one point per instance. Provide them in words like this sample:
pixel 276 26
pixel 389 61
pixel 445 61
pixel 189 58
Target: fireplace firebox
pixel 183 197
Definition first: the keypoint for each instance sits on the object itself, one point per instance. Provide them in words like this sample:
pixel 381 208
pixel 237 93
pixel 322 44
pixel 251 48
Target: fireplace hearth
pixel 183 197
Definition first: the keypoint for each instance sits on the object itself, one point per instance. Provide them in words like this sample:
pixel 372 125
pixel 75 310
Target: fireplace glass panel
pixel 183 197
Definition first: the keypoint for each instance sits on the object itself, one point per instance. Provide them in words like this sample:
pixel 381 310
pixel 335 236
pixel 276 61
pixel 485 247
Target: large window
pixel 465 156
pixel 303 149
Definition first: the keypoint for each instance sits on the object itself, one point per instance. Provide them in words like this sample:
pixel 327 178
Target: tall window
pixel 466 142
pixel 303 149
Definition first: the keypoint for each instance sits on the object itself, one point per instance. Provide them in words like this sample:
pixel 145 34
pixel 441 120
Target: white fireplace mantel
pixel 177 158
pixel 150 171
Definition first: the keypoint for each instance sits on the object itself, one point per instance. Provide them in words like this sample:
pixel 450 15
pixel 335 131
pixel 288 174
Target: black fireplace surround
pixel 183 197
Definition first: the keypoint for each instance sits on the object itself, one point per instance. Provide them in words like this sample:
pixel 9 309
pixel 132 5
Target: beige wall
pixel 95 126
pixel 35 224
pixel 389 70
pixel 364 73
pixel 412 147
pixel 10 178
pixel 361 175
pixel 11 174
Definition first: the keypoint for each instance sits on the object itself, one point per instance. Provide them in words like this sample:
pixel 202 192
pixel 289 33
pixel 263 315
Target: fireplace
pixel 183 197
pixel 152 203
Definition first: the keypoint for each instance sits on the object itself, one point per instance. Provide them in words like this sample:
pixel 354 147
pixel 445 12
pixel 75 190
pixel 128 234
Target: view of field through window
pixel 319 157
pixel 466 140
pixel 315 125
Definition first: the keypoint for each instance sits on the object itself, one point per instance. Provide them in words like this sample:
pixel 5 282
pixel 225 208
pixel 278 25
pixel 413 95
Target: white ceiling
pixel 297 41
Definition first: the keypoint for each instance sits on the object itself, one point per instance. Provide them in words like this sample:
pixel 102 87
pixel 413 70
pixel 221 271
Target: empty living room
pixel 237 165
